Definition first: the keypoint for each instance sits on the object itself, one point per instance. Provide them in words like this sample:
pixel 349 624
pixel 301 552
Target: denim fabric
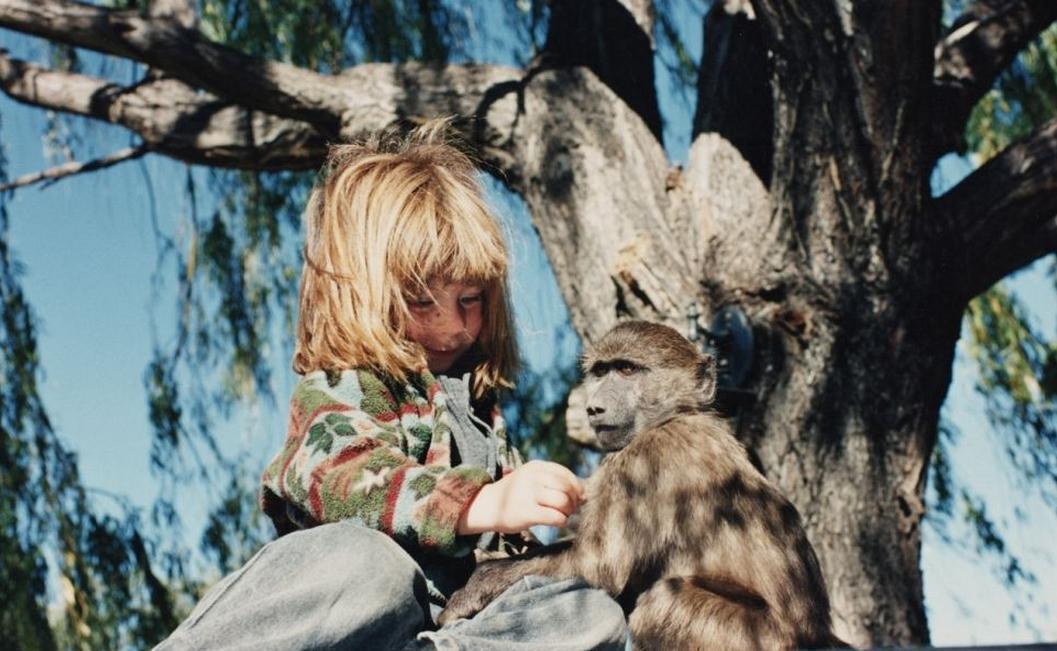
pixel 342 586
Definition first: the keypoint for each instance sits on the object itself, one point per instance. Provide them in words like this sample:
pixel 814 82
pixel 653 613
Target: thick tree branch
pixel 980 45
pixel 171 118
pixel 850 124
pixel 277 88
pixel 614 39
pixel 734 84
pixel 178 121
pixel 59 172
pixel 1004 215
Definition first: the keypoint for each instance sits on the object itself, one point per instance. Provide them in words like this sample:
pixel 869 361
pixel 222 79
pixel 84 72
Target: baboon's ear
pixel 706 378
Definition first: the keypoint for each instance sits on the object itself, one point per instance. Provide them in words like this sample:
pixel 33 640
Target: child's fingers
pixel 556 499
pixel 550 517
pixel 561 478
pixel 554 471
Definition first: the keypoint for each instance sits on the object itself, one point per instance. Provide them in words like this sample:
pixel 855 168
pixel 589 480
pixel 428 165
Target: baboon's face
pixel 639 375
pixel 614 390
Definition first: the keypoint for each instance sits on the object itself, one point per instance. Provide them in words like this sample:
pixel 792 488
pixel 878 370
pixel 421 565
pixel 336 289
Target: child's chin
pixel 441 364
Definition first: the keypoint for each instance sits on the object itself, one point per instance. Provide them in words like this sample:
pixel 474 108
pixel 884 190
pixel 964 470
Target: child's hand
pixel 539 492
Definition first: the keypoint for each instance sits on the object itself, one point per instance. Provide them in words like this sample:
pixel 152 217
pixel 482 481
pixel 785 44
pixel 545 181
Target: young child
pixel 396 466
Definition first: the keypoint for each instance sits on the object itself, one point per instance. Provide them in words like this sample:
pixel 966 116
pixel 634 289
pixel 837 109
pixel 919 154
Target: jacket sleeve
pixel 348 456
pixel 508 455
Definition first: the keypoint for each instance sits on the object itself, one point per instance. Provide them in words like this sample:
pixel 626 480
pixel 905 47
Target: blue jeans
pixel 342 586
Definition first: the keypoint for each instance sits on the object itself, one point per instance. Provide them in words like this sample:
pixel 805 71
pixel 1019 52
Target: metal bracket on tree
pixel 728 338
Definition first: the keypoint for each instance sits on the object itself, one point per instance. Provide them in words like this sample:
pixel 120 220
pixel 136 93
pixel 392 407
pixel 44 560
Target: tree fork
pixel 613 41
pixel 734 86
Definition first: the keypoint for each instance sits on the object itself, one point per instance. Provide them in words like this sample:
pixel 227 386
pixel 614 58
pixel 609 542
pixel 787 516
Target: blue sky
pixel 89 251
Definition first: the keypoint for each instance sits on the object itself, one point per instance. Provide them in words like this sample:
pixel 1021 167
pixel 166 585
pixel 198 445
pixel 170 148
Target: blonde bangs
pixel 447 234
pixel 388 218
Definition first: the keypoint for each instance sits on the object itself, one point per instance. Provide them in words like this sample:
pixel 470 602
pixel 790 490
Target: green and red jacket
pixel 379 453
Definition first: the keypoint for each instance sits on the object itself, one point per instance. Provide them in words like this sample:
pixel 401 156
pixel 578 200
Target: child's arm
pixel 347 456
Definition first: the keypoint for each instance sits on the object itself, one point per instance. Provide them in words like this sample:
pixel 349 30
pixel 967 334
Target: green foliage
pixel 301 32
pixel 1017 369
pixel 111 596
pixel 329 36
pixel 23 617
pixel 954 507
pixel 1024 97
pixel 236 528
pixel 25 435
pixel 989 539
pixel 163 411
pixel 941 476
pixel 1015 362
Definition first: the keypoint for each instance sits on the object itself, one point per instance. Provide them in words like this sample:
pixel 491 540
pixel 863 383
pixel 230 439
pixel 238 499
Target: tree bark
pixel 612 39
pixel 1003 215
pixel 171 118
pixel 733 88
pixel 281 89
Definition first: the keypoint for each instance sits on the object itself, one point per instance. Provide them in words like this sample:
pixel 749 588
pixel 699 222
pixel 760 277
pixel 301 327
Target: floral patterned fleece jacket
pixel 365 449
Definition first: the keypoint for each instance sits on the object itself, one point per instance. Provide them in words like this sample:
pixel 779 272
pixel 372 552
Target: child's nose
pixel 454 323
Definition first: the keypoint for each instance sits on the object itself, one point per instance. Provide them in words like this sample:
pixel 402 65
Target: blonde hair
pixel 388 217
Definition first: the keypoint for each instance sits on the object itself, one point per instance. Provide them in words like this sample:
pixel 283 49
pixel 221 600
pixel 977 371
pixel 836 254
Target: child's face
pixel 446 322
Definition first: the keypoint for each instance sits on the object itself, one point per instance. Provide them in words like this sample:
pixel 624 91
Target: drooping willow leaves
pixel 1024 97
pixel 1015 361
pixel 1018 381
pixel 232 259
pixel 101 563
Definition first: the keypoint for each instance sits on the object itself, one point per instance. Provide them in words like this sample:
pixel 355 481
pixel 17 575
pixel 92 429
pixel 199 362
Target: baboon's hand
pixel 462 605
pixel 488 581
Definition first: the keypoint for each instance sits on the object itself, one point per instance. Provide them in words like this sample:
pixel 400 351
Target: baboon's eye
pixel 625 368
pixel 597 369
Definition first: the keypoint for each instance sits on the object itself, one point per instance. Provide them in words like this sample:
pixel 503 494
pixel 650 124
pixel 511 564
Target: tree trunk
pixel 844 422
pixel 831 262
pixel 850 374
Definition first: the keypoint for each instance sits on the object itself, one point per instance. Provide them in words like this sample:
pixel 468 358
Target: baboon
pixel 699 548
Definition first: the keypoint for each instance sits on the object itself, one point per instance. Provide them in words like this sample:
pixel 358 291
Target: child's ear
pixel 706 378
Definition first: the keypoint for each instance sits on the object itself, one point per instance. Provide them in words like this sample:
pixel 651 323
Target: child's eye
pixel 470 299
pixel 420 303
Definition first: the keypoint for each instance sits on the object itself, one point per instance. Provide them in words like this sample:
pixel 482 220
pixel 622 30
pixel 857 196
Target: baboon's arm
pixel 492 577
